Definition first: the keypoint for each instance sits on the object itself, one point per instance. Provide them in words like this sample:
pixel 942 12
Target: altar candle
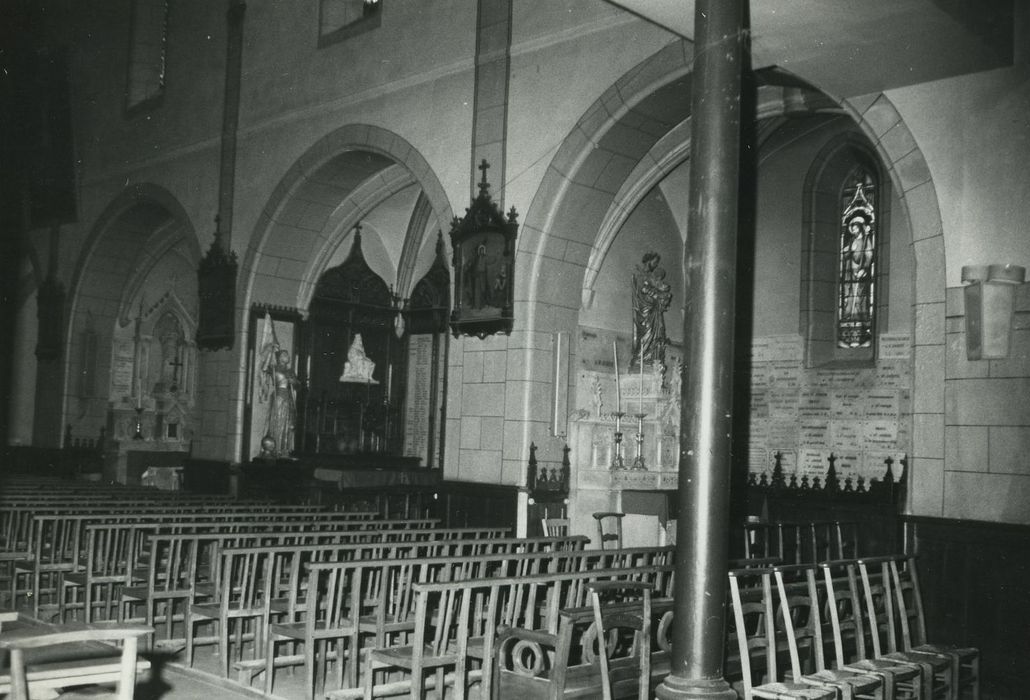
pixel 641 380
pixel 618 387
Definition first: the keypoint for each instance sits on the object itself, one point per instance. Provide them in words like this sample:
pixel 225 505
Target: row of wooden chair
pixel 57 545
pixel 461 628
pixel 802 542
pixel 387 607
pixel 833 641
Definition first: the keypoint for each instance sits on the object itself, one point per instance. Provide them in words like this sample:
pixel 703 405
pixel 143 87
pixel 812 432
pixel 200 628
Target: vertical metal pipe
pixel 230 122
pixel 707 394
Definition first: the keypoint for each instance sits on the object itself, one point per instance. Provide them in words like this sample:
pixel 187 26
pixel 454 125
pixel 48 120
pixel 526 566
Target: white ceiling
pixel 855 47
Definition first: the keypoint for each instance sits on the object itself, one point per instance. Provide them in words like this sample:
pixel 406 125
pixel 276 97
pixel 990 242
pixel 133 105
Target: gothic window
pixel 341 19
pixel 845 257
pixel 148 42
pixel 856 279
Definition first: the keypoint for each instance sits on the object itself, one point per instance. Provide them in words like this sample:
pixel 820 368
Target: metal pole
pixel 707 394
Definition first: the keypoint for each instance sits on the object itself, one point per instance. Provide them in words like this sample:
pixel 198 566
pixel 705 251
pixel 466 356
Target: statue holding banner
pixel 279 388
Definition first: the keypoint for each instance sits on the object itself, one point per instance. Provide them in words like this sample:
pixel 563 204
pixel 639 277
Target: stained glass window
pixel 856 297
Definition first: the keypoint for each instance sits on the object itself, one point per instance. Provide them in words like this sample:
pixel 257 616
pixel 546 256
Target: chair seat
pixel 368 623
pixel 135 593
pixel 899 670
pixel 793 691
pixel 205 609
pixel 75 578
pixel 963 653
pixel 298 630
pixel 402 657
pixel 937 662
pixel 858 682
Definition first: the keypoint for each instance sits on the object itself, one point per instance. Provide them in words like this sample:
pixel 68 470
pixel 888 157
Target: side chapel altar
pixel 353 386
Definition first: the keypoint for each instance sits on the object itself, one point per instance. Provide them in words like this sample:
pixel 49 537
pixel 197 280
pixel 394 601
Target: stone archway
pixel 590 183
pixel 332 186
pixel 328 189
pixel 143 229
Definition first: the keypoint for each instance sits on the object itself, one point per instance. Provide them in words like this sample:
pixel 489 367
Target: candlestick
pixel 641 407
pixel 617 461
pixel 638 461
pixel 618 386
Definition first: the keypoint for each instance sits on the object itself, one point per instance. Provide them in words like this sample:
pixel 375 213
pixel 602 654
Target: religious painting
pixel 483 245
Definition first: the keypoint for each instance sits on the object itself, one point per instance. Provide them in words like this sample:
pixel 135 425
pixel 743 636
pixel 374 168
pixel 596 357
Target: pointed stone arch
pixel 325 192
pixel 591 181
pixel 140 226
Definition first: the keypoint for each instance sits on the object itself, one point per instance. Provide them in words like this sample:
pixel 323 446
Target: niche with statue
pixel 365 367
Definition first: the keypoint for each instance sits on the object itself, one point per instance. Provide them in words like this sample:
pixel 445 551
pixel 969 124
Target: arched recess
pixel 331 187
pixel 820 252
pixel 624 142
pixel 352 175
pixel 143 229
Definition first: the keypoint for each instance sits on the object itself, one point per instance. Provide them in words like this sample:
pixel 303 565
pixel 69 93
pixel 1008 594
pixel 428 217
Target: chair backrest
pixel 114 550
pixel 621 617
pixel 879 607
pixel 553 527
pixel 843 610
pixel 755 629
pixel 909 602
pixel 609 529
pixel 798 609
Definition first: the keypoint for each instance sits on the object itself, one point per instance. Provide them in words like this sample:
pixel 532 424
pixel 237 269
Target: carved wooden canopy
pixel 430 301
pixel 353 292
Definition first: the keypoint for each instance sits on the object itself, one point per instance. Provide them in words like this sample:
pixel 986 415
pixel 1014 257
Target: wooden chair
pixel 758 647
pixel 845 627
pixel 554 527
pixel 439 641
pixel 61 658
pixel 243 597
pixel 170 582
pixel 335 595
pixel 611 620
pixel 799 613
pixel 609 529
pixel 54 551
pixel 113 554
pixel 965 661
pixel 539 657
pixel 881 614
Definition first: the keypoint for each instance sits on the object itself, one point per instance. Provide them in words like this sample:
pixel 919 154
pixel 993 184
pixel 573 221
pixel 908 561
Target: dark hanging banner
pixel 216 291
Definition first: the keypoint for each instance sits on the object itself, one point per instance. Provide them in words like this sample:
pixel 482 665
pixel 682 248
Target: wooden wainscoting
pixel 468 504
pixel 975 580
